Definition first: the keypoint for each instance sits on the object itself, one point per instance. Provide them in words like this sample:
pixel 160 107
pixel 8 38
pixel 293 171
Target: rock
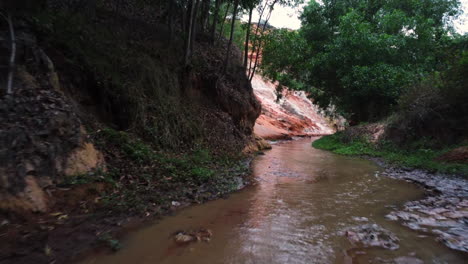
pixel 31 198
pixel 84 159
pixel 372 235
pixel 182 238
pixel 360 219
pixel 202 234
pixel 262 144
pixel 256 144
pixel 408 260
pixel 442 213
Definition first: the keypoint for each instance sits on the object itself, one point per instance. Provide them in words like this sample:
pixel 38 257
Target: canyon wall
pixel 291 114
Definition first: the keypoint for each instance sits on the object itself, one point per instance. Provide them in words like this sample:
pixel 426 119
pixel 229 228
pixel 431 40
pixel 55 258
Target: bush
pixel 435 108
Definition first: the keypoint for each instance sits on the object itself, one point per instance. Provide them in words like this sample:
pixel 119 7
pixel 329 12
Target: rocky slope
pixel 292 115
pixel 43 139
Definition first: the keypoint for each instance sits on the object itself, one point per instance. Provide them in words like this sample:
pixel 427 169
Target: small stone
pixel 408 260
pixel 182 238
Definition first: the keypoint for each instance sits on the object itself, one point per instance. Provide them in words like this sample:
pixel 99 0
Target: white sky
pixel 285 17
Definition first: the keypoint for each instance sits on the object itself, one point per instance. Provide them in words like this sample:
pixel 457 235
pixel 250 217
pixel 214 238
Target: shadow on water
pixel 298 212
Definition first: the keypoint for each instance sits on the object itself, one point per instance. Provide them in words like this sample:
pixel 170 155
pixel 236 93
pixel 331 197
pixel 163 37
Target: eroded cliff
pixel 291 114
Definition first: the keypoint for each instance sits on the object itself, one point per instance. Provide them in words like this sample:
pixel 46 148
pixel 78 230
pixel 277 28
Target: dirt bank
pixel 105 129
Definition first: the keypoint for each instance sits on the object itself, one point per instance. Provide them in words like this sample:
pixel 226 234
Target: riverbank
pixel 108 126
pixel 140 185
pixel 441 213
pixel 415 157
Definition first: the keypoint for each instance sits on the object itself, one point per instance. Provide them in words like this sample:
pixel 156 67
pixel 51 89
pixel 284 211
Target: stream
pixel 307 206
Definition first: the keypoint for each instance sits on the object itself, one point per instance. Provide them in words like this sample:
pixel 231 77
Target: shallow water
pixel 298 212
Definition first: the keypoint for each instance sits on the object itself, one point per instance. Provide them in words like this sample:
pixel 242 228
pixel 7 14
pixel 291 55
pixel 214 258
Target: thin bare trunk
pixel 170 19
pixel 189 35
pixel 224 21
pixel 233 21
pixel 205 14
pixel 255 42
pixel 247 36
pixel 11 69
pixel 194 26
pixel 260 41
pixel 183 20
pixel 215 20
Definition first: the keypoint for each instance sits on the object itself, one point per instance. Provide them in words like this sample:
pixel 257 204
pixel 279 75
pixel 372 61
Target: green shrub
pixel 436 107
pixel 202 174
pixel 201 156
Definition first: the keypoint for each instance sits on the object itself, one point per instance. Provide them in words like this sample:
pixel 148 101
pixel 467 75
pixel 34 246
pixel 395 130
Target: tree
pixel 360 55
pixel 247 36
pixel 224 19
pixel 189 29
pixel 233 20
pixel 204 14
pixel 215 21
pixel 11 66
pixel 259 34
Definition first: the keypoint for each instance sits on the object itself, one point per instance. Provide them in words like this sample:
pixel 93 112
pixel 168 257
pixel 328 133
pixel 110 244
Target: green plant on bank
pixel 109 241
pixel 418 157
pixel 141 152
pixel 98 175
pixel 134 148
pixel 159 177
pixel 202 174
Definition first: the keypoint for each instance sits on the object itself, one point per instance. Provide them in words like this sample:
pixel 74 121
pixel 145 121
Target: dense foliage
pixel 362 55
pixel 436 107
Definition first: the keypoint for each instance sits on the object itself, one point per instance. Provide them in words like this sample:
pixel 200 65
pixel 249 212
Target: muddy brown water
pixel 298 212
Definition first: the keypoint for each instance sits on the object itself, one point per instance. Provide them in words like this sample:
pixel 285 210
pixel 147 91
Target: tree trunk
pixel 189 33
pixel 194 26
pixel 247 36
pixel 170 20
pixel 260 41
pixel 12 56
pixel 204 14
pixel 215 20
pixel 184 11
pixel 255 42
pixel 224 20
pixel 233 21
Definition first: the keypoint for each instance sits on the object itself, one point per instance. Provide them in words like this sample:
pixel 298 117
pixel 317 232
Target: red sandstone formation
pixel 293 115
